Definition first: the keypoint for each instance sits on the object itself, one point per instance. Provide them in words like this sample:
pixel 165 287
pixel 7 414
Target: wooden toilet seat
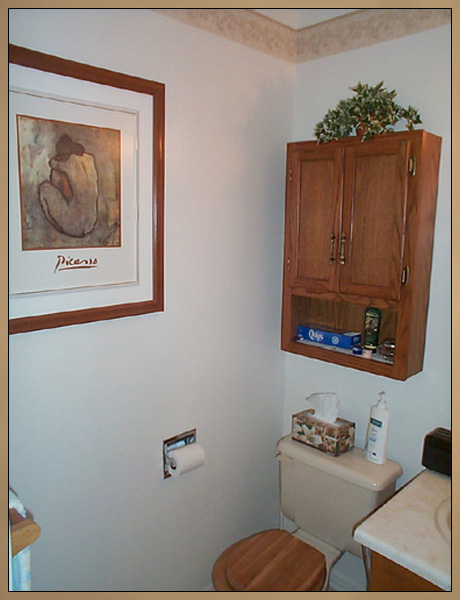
pixel 270 561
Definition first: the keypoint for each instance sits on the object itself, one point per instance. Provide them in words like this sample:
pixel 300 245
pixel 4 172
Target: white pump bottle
pixel 377 431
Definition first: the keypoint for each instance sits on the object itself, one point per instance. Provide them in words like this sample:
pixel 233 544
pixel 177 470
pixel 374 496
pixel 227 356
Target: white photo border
pixel 63 267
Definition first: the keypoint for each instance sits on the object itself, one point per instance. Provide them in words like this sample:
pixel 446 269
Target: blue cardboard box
pixel 339 339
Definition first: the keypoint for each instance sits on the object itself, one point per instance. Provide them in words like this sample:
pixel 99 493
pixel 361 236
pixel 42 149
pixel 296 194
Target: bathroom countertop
pixel 405 530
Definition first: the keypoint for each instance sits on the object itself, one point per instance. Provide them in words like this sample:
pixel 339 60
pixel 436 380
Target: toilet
pixel 325 496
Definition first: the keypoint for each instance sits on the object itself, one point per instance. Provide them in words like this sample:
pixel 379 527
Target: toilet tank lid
pixel 351 466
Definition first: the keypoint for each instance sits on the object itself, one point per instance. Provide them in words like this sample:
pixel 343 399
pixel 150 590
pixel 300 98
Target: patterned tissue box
pixel 332 438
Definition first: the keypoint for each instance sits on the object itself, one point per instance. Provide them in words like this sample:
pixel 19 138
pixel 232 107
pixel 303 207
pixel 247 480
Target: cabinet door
pixel 388 576
pixel 374 208
pixel 314 215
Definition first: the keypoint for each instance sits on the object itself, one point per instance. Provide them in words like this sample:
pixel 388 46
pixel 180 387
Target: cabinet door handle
pixel 332 256
pixel 343 239
pixel 405 275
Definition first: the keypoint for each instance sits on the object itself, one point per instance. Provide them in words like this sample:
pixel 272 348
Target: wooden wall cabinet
pixel 359 231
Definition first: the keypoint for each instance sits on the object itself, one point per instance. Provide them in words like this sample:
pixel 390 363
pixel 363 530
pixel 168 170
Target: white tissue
pixel 325 405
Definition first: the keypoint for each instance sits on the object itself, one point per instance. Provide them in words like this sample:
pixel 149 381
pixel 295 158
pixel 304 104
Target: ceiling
pixel 297 18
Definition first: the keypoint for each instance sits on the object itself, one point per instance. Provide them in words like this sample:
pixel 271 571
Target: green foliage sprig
pixel 372 111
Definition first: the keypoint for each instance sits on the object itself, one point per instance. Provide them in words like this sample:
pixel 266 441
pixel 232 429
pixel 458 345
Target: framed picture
pixel 86 193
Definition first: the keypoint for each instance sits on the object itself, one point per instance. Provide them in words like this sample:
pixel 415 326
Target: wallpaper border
pixel 354 30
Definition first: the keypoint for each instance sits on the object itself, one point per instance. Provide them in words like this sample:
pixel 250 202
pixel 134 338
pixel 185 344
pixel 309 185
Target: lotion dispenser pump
pixel 377 431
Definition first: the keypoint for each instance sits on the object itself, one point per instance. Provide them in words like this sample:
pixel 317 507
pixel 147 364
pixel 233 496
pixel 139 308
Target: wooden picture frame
pixel 142 296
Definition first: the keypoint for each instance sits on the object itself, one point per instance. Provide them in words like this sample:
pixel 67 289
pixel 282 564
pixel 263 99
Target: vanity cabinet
pixel 388 576
pixel 359 232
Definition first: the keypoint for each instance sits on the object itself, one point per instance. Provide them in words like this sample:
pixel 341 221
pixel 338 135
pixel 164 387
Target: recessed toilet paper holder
pixel 172 443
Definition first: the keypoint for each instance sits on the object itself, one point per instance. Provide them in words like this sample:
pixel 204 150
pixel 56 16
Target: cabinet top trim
pixel 354 140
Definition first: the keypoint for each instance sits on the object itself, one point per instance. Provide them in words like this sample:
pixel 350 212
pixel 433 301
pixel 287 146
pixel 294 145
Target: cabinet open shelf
pixel 344 359
pixel 337 315
pixel 376 356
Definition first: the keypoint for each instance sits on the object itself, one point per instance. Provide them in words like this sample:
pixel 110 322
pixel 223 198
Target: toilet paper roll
pixel 185 459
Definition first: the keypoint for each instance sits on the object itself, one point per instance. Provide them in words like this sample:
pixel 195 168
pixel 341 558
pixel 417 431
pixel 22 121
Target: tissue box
pixel 339 339
pixel 332 438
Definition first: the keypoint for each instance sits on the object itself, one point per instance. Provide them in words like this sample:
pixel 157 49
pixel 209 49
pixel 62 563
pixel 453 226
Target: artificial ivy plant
pixel 371 111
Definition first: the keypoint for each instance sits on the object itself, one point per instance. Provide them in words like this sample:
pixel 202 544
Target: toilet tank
pixel 327 495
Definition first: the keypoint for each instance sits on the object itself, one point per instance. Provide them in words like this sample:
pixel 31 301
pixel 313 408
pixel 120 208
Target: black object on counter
pixel 437 451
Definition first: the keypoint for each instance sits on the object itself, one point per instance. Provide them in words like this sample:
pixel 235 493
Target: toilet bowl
pixel 325 496
pixel 270 561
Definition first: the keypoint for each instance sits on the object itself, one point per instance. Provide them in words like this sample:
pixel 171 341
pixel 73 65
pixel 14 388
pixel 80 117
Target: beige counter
pixel 407 531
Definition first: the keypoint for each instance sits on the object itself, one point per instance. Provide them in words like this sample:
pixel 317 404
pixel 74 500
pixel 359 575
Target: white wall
pixel 91 404
pixel 419 68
